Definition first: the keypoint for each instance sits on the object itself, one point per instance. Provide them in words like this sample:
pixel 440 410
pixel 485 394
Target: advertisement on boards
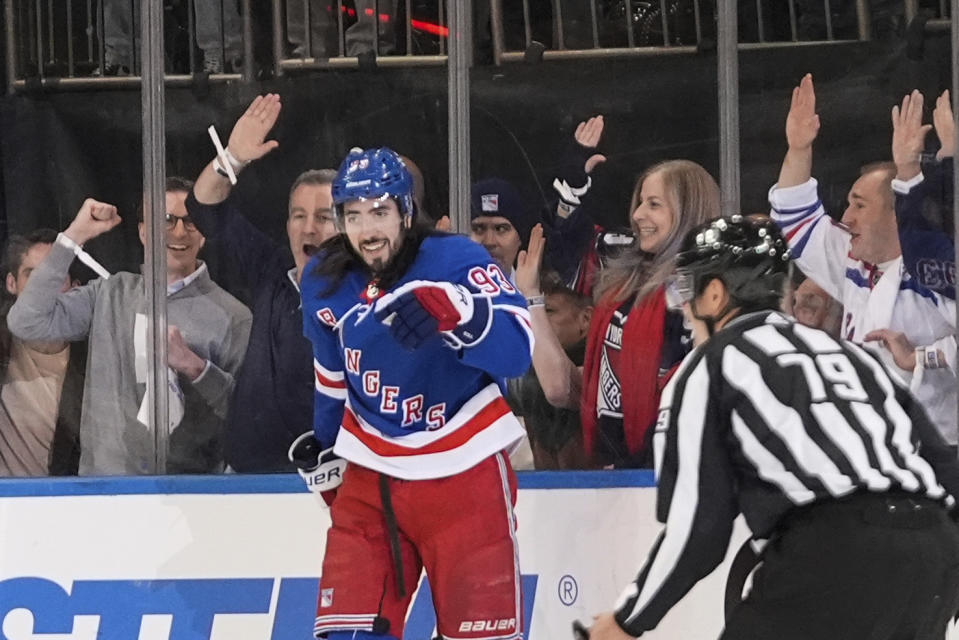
pixel 245 566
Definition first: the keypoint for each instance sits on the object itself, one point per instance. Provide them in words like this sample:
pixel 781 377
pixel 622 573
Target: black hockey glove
pixel 572 182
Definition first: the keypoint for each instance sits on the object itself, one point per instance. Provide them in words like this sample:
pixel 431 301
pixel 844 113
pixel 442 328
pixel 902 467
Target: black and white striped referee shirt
pixel 766 416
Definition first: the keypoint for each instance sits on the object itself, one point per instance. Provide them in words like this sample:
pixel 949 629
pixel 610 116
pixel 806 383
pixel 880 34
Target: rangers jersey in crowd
pixel 873 296
pixel 765 417
pixel 426 413
pixel 923 209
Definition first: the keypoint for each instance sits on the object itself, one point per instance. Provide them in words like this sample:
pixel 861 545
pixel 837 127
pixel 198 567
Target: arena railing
pixel 422 42
pixel 653 28
pixel 938 23
pixel 51 44
pixel 60 44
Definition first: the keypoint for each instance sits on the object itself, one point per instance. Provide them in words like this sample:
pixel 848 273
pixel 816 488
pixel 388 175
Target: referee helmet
pixel 749 255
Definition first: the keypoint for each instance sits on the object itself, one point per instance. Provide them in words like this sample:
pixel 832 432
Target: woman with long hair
pixel 634 341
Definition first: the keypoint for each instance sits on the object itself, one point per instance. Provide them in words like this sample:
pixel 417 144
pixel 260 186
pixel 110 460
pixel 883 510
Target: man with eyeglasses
pixel 208 331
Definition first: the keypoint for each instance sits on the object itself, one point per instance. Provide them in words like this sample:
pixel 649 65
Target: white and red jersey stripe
pixel 329 383
pixel 483 426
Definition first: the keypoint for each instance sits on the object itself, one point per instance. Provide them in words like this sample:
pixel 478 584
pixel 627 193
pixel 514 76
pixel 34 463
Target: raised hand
pixel 802 122
pixel 945 126
pixel 908 135
pixel 572 179
pixel 93 218
pixel 588 134
pixel 248 138
pixel 529 263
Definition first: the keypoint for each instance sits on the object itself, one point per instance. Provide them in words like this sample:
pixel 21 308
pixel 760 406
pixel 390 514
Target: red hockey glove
pixel 421 309
pixel 320 468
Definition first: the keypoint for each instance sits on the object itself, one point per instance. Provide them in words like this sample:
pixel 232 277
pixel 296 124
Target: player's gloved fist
pixel 421 309
pixel 320 468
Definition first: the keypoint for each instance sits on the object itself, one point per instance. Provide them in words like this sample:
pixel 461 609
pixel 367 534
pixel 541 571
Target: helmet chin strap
pixel 711 321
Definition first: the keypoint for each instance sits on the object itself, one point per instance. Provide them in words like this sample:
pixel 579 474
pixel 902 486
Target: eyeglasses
pixel 171 220
pixel 680 289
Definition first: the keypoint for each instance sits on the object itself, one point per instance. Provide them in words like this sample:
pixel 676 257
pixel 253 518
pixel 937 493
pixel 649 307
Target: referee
pixel 835 467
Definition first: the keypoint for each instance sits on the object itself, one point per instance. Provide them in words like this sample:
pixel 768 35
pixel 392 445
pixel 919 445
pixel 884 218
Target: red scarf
pixel 638 372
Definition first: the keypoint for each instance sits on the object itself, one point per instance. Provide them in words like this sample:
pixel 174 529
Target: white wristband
pixel 84 257
pixel 228 165
pixel 930 358
pixel 237 165
pixel 220 169
pixel 68 242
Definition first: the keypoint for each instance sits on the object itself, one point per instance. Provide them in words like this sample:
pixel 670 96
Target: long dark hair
pixel 339 258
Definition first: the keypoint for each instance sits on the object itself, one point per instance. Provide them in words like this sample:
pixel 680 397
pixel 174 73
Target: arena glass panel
pixel 75 318
pixel 367 75
pixel 852 64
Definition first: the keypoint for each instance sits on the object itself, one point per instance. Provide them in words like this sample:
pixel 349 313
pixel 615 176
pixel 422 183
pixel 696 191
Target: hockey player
pixel 413 332
pixel 833 464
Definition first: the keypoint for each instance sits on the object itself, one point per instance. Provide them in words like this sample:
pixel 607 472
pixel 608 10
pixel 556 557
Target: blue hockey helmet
pixel 372 174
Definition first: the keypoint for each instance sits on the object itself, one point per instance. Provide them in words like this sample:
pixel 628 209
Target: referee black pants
pixel 868 567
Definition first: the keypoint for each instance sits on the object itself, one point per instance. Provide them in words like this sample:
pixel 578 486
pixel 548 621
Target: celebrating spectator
pixel 555 433
pixel 634 342
pixel 500 220
pixel 860 263
pixel 273 403
pixel 207 335
pixel 42 382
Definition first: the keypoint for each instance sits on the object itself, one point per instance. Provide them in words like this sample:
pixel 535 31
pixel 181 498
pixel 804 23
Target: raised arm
pixel 560 379
pixel 247 143
pixel 574 180
pixel 924 195
pixel 241 247
pixel 802 127
pixel 816 243
pixel 42 311
pixel 571 229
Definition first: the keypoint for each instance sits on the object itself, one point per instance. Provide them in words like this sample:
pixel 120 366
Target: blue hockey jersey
pixel 427 413
pixel 924 217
